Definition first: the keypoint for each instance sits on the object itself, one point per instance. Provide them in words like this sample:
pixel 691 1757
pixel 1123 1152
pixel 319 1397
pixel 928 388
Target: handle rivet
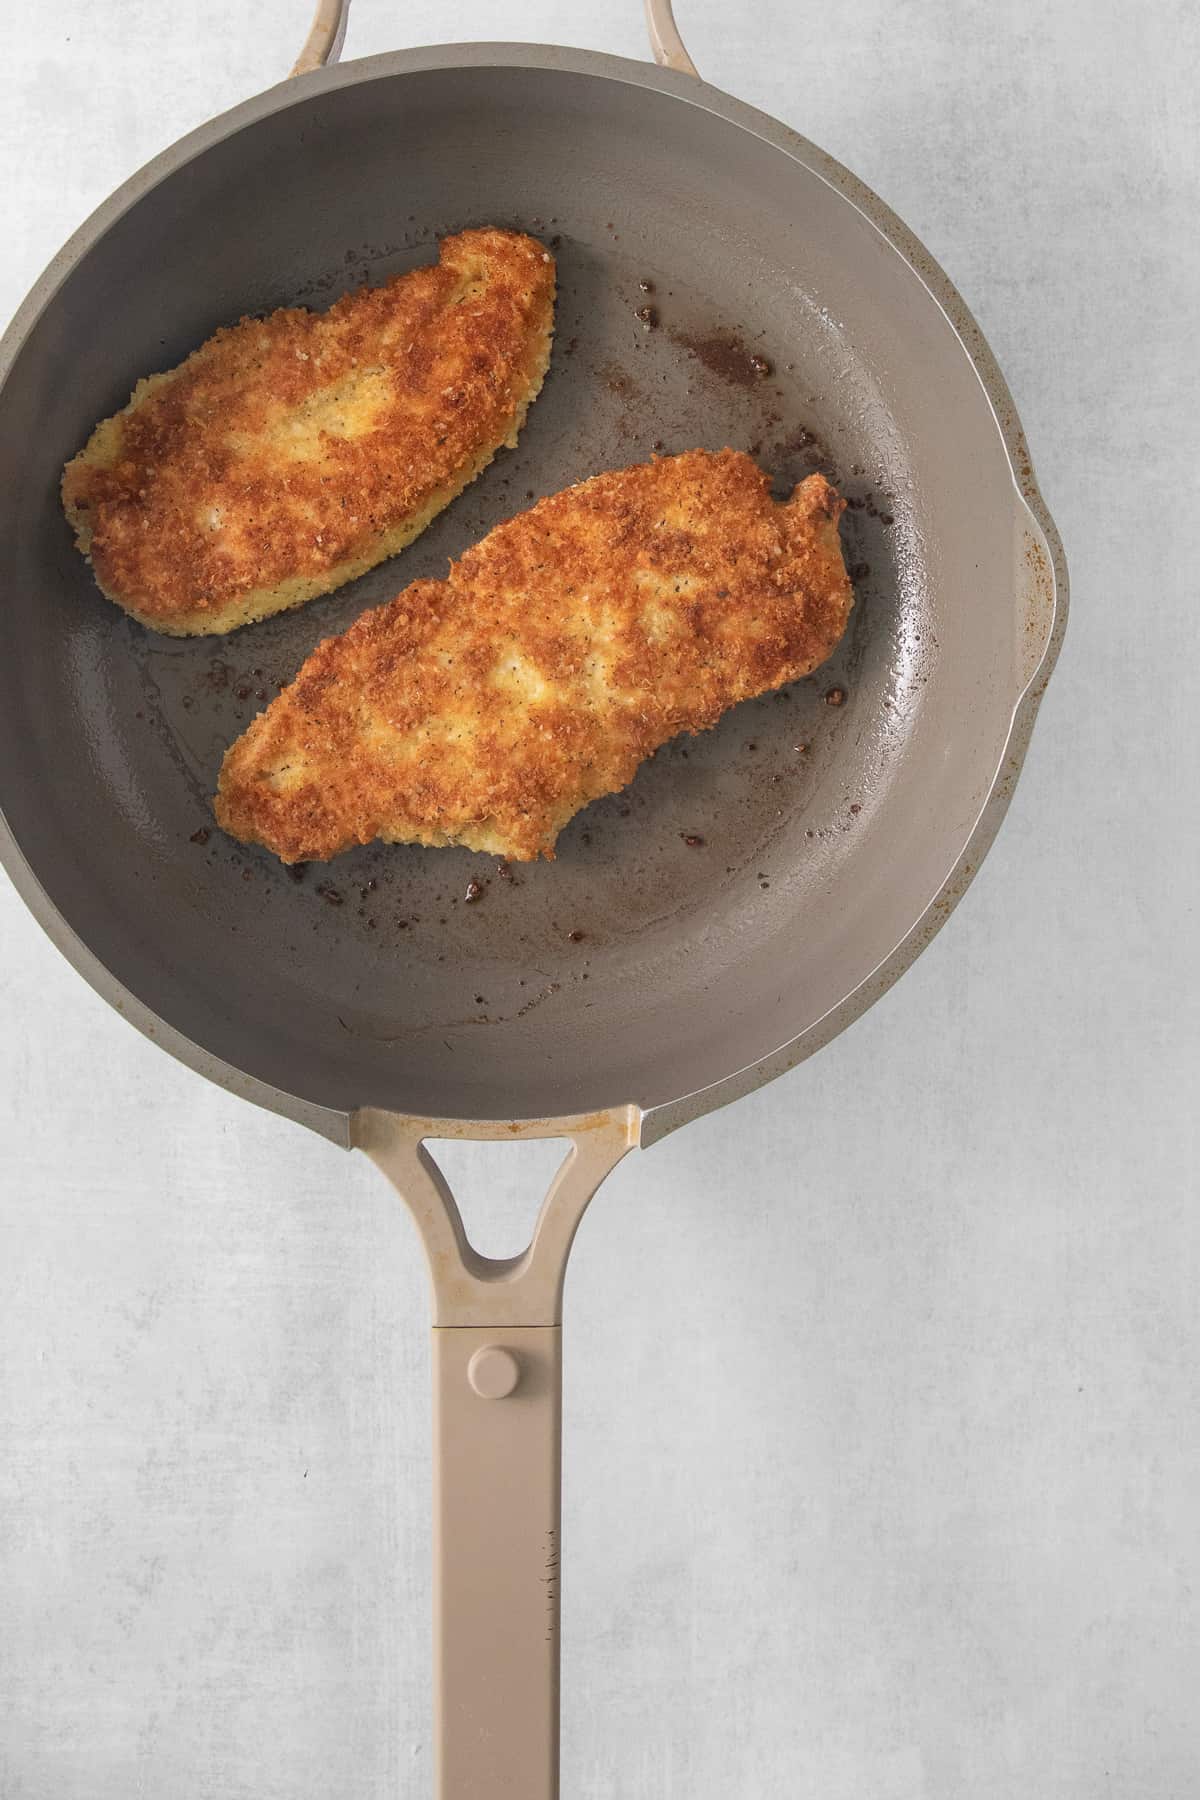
pixel 493 1372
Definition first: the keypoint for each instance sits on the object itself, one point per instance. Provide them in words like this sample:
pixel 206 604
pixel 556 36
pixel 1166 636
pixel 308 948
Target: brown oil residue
pixel 618 381
pixel 723 353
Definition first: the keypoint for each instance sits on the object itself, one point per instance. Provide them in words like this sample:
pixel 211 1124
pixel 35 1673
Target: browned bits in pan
pixel 723 353
pixel 474 891
pixel 835 697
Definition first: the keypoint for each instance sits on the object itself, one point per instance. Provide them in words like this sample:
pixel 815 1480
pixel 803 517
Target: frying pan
pixel 748 896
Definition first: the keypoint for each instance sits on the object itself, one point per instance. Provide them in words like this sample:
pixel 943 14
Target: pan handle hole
pixel 499 1187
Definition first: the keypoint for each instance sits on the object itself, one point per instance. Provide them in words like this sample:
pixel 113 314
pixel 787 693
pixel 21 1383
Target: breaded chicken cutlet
pixel 289 454
pixel 560 652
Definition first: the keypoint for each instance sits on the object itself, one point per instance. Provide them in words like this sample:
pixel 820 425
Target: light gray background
pixel 882 1445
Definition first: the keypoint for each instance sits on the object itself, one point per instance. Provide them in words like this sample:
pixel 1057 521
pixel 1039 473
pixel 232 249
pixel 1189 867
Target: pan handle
pixel 328 32
pixel 665 42
pixel 326 35
pixel 497 1455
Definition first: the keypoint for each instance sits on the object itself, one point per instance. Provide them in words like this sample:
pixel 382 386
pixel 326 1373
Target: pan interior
pixel 641 964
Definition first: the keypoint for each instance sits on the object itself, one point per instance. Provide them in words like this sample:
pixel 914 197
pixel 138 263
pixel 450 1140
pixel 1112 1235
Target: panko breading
pixel 289 454
pixel 561 651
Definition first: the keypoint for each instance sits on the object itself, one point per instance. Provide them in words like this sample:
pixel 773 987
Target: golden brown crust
pixel 561 651
pixel 290 453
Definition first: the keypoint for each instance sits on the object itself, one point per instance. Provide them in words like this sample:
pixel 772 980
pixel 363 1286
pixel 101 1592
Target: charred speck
pixel 859 571
pixel 761 366
pixel 247 875
pixel 800 749
pixel 855 807
pixel 202 836
pixel 648 316
pixel 835 697
pixel 504 871
pixel 752 746
pixel 576 937
pixel 330 894
pixel 481 999
pixel 658 444
pixel 647 287
pixel 242 692
pixel 692 840
pixel 297 871
pixel 474 891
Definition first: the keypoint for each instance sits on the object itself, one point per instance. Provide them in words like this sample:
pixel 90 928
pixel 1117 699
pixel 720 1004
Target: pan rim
pixel 657 1121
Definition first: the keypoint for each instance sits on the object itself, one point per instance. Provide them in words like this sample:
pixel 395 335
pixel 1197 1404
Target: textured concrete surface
pixel 883 1460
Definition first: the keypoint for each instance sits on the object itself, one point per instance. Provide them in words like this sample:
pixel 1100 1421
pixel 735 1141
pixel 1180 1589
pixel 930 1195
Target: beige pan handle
pixel 328 32
pixel 497 1385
